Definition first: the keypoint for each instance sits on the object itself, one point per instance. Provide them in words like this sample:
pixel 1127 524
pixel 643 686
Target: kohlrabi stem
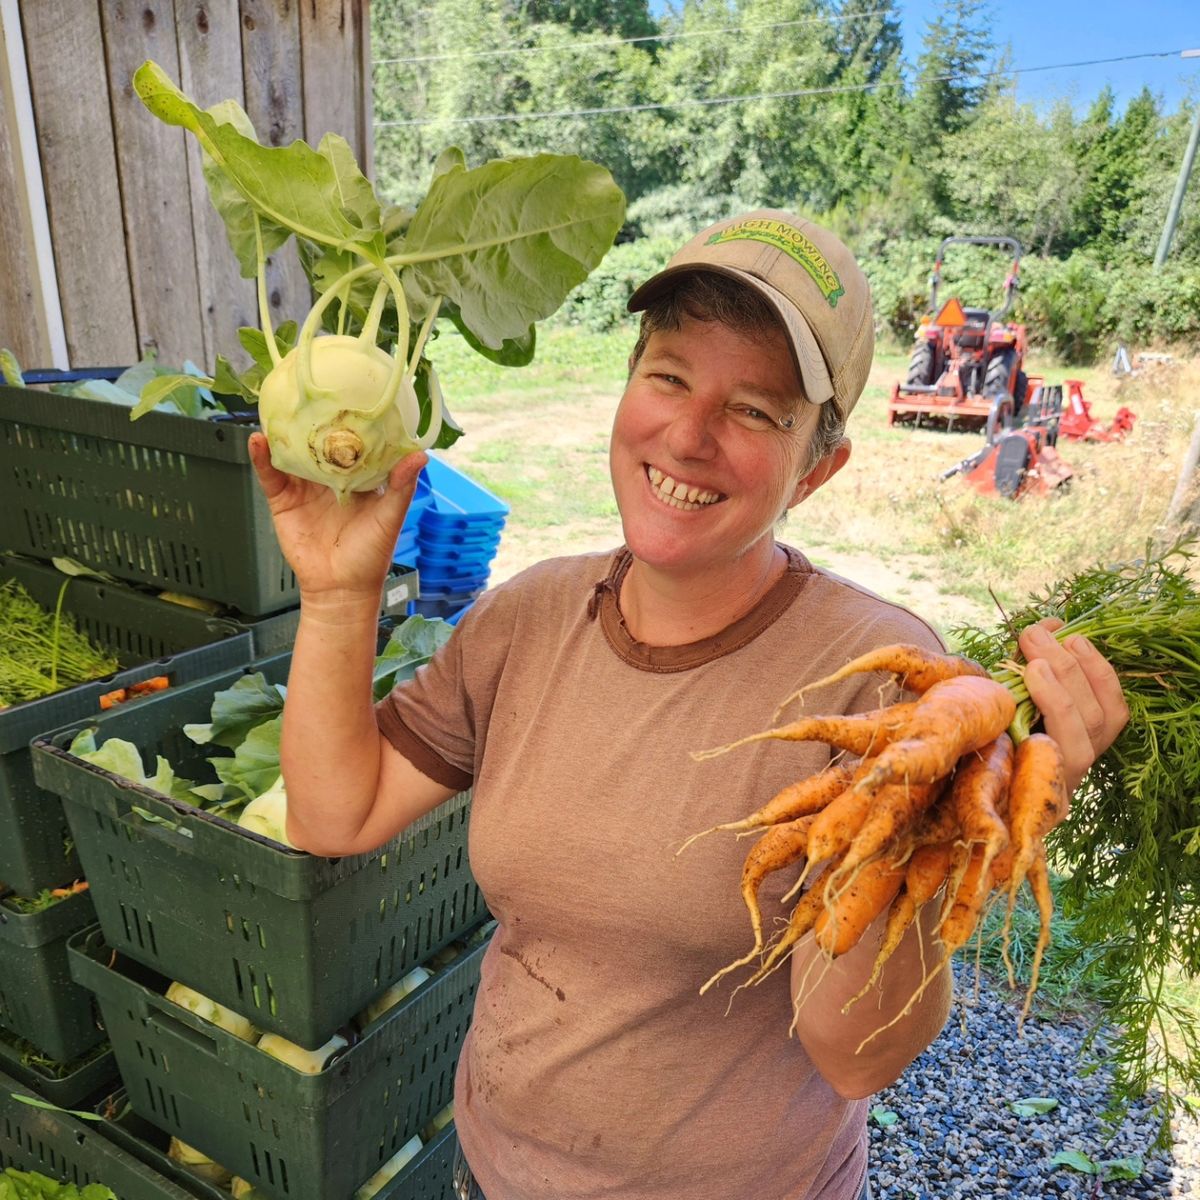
pixel 309 330
pixel 406 398
pixel 423 334
pixel 264 309
pixel 370 329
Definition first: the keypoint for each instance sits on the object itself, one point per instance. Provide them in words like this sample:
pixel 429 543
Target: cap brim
pixel 806 353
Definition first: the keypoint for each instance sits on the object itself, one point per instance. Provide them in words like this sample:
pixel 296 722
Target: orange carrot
pixel 808 908
pixel 900 918
pixel 796 800
pixel 779 847
pixel 859 733
pixel 852 908
pixel 925 874
pixel 980 780
pixel 892 811
pixel 1039 883
pixel 916 668
pixel 834 827
pixel 1037 801
pixel 951 719
pixel 959 923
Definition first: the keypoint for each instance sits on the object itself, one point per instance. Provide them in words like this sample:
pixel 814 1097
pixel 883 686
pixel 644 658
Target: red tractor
pixel 967 367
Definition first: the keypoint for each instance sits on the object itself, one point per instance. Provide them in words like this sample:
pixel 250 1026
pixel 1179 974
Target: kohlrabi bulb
pixel 210 1010
pixel 342 438
pixel 267 814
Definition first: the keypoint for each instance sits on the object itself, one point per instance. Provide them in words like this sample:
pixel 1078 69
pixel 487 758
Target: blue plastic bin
pixel 459 502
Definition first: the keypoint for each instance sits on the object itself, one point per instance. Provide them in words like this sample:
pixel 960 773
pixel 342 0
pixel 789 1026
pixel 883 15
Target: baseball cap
pixel 810 280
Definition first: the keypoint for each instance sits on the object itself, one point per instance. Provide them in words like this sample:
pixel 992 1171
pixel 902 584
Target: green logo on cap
pixel 793 243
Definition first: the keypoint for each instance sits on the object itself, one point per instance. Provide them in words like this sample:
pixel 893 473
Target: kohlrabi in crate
pixel 493 249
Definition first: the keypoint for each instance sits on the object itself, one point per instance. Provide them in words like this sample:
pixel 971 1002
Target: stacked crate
pixel 170 503
pixel 455 526
pixel 298 945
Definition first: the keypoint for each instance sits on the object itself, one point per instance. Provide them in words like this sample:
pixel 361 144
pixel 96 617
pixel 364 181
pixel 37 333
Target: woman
pixel 569 699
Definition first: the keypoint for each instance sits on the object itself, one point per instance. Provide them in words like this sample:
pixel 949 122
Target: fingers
pixel 397 493
pixel 271 481
pixel 1078 694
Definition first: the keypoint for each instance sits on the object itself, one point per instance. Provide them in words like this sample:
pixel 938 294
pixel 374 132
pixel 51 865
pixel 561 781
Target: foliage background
pixel 711 106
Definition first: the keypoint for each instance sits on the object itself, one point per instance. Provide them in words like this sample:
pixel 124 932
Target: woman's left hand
pixel 1077 692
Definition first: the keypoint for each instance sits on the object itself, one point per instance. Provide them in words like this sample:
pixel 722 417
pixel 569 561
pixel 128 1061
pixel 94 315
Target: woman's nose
pixel 690 434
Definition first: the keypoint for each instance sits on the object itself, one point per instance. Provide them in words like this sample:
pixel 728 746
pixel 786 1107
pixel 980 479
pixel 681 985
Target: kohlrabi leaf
pixel 423 380
pixel 123 758
pixel 237 710
pixel 254 766
pixel 318 194
pixel 448 160
pixel 507 241
pixel 411 643
pixel 180 392
pixel 254 342
pixel 228 381
pixel 244 224
pixel 33 1185
pixel 10 369
pixel 513 352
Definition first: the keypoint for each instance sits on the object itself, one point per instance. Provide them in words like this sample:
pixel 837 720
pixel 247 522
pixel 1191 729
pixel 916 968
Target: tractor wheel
pixel 999 372
pixel 1020 388
pixel 1000 417
pixel 921 365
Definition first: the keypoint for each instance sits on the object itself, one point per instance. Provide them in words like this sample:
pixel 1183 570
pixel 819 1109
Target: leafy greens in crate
pixel 246 719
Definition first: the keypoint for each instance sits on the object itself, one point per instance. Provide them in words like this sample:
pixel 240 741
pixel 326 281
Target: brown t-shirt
pixel 594 1068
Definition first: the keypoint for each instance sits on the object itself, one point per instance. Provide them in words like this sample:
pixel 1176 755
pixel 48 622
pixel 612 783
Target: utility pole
pixel 1189 157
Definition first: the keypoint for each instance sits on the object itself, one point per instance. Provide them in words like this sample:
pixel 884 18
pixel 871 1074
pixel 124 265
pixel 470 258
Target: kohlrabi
pixel 493 249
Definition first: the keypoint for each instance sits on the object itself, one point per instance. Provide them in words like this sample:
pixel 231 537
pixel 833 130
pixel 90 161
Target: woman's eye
pixel 754 416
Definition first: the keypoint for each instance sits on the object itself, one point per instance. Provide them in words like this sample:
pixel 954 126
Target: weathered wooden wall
pixel 140 256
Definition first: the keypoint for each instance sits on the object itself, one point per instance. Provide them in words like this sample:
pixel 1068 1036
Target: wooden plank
pixel 210 67
pixel 275 104
pixel 152 162
pixel 65 52
pixel 23 328
pixel 334 41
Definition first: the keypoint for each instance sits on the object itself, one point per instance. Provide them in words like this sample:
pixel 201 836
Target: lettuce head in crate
pixel 494 249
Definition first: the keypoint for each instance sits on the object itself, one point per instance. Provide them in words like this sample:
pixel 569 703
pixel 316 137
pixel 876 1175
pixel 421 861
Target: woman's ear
pixel 824 471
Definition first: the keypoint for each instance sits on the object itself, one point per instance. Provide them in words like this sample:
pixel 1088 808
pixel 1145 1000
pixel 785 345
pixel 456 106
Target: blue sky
pixel 1042 32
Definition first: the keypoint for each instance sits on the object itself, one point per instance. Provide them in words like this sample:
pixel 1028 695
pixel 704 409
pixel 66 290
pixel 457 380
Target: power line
pixel 495 118
pixel 656 37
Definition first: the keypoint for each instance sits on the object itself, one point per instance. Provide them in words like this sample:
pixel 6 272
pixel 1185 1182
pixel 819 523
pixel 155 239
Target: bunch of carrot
pixel 938 801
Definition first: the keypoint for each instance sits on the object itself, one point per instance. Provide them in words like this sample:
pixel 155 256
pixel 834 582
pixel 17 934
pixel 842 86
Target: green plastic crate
pixel 295 1136
pixel 294 942
pixel 429 1176
pixel 167 500
pixel 149 1144
pixel 67 1148
pixel 35 851
pixel 73 1085
pixel 155 638
pixel 39 1001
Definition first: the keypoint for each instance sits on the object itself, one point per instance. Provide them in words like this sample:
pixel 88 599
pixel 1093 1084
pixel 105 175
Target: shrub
pixel 599 302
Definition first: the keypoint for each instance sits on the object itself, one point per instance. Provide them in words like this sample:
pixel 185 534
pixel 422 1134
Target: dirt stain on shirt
pixel 558 992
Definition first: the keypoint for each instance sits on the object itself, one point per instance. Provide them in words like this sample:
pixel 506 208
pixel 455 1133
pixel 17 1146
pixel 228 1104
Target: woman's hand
pixel 1077 692
pixel 336 550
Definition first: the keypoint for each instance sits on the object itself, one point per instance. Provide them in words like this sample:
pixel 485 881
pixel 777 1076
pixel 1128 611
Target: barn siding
pixel 140 256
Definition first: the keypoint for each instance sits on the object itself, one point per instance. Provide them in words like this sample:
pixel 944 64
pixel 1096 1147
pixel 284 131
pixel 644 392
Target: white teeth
pixel 678 495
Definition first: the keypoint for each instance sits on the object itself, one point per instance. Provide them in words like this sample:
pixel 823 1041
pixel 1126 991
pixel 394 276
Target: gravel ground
pixel 955 1135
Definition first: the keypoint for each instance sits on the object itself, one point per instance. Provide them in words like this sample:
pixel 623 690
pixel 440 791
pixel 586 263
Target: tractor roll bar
pixel 1010 284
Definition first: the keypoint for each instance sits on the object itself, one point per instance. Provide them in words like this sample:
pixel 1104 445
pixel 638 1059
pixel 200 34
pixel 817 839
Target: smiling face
pixel 701 465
